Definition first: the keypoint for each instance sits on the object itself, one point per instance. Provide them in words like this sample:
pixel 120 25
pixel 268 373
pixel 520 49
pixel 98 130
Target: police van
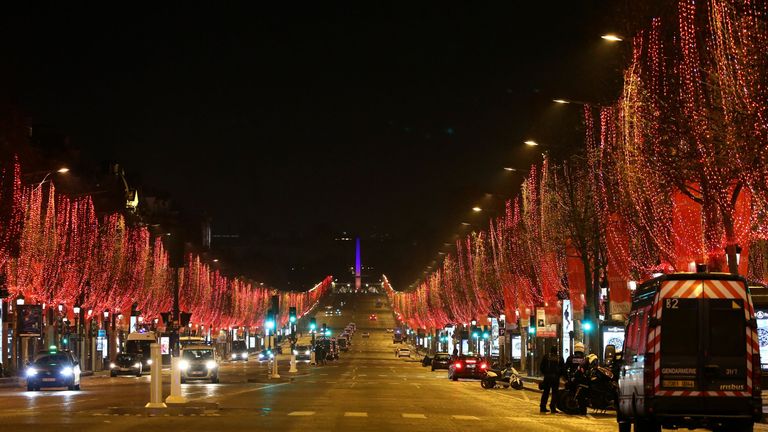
pixel 691 355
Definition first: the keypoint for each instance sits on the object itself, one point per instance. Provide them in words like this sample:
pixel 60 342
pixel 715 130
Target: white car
pixel 366 335
pixel 403 352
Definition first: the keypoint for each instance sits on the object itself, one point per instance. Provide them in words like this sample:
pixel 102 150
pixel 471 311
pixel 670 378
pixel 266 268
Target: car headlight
pixel 149 362
pixel 211 364
pixel 184 365
pixel 295 352
pixel 261 355
pixel 112 365
pixel 31 372
pixel 67 371
pixel 307 352
pixel 245 355
pixel 137 365
pixel 234 356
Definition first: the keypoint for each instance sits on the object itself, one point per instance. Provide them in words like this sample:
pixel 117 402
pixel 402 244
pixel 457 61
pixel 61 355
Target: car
pixel 342 342
pixel 467 366
pixel 338 311
pixel 53 369
pixel 441 360
pixel 239 351
pixel 373 317
pixel 138 344
pixel 199 362
pixel 126 364
pixel 691 355
pixel 389 330
pixel 366 335
pixel 303 352
pixel 403 352
pixel 266 355
pixel 329 313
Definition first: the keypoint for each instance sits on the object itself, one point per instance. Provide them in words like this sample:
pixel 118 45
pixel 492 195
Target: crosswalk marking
pixel 464 417
pixel 355 414
pixel 301 413
pixel 414 416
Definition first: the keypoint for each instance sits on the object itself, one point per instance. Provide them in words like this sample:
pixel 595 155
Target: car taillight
pixel 483 366
pixel 648 375
pixel 457 365
pixel 757 375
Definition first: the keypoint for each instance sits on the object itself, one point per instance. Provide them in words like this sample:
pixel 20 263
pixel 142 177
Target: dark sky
pixel 289 122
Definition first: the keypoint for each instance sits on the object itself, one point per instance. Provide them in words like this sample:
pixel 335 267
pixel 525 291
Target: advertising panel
pixel 567 328
pixel 517 349
pixel 613 336
pixel 30 320
pixel 762 336
pixel 165 345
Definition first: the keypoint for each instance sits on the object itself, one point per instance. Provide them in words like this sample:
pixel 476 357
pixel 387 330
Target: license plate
pixel 678 383
pixel 471 366
pixel 49 379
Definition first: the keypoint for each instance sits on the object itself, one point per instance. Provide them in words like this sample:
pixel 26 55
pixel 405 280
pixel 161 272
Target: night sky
pixel 289 123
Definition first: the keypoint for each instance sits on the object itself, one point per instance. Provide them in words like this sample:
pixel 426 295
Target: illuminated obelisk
pixel 358 275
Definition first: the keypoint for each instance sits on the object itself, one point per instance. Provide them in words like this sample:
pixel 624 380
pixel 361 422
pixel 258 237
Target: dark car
pixel 266 355
pixel 239 351
pixel 58 369
pixel 441 361
pixel 126 364
pixel 467 367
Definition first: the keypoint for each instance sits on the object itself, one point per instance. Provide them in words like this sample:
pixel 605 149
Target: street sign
pixel 102 333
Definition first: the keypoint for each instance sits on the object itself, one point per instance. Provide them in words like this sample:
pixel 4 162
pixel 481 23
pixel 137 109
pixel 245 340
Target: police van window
pixel 726 327
pixel 642 329
pixel 630 344
pixel 680 335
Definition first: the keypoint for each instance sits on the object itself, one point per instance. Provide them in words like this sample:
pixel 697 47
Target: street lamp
pixel 612 37
pixel 476 209
pixel 561 101
pixel 531 143
pixel 510 169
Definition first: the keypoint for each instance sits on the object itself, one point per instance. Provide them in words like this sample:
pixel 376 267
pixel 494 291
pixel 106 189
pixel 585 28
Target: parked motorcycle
pixel 507 377
pixel 590 386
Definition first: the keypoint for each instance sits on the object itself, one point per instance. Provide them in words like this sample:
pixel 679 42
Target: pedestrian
pixel 552 368
pixel 455 351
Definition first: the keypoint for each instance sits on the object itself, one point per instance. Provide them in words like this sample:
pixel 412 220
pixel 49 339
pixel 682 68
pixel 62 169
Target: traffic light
pixel 312 324
pixel 586 325
pixel 486 332
pixel 532 325
pixel 269 323
pixel 292 315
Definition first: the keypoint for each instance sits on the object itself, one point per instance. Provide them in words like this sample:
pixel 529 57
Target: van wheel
pixel 647 426
pixel 625 427
pixel 30 387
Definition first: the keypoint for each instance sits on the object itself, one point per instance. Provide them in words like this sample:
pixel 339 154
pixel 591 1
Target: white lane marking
pixel 330 382
pixel 355 414
pixel 384 376
pixel 414 416
pixel 301 413
pixel 464 417
pixel 362 375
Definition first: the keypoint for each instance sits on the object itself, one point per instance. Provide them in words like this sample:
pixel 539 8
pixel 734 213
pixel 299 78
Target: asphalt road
pixel 367 390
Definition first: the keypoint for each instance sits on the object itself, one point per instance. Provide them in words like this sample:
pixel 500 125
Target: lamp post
pixel 78 340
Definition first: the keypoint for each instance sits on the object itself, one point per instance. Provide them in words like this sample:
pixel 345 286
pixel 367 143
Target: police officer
pixel 552 368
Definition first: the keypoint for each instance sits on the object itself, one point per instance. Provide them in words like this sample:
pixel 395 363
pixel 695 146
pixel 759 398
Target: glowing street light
pixel 476 209
pixel 561 101
pixel 510 169
pixel 62 170
pixel 531 143
pixel 612 37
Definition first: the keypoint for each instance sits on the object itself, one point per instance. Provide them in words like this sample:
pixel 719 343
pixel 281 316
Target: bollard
pixel 312 358
pixel 274 361
pixel 175 397
pixel 293 364
pixel 156 381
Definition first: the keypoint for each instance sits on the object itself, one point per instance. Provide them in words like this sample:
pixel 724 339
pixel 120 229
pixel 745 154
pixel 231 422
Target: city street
pixel 367 390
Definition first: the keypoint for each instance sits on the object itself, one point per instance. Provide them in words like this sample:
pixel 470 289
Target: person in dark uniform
pixel 552 368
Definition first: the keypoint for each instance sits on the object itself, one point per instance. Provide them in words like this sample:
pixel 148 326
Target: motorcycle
pixel 590 386
pixel 507 377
